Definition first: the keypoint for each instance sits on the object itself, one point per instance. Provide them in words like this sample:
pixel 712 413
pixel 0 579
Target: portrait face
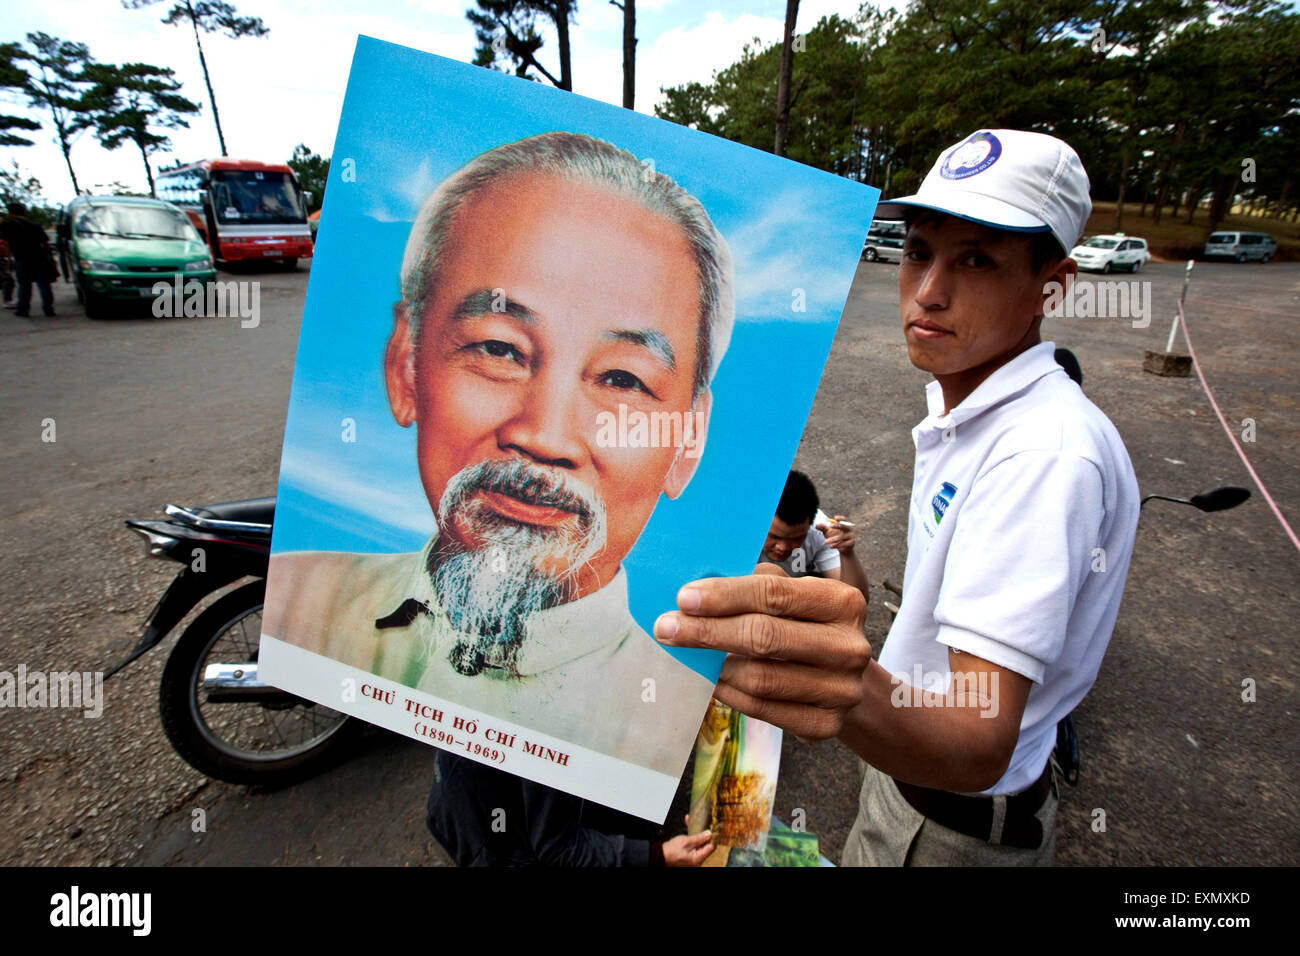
pixel 968 295
pixel 783 538
pixel 556 302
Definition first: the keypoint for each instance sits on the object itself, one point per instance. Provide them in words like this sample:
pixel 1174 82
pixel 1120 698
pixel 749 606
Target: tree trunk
pixel 1280 206
pixel 629 54
pixel 203 62
pixel 147 171
pixel 1220 201
pixel 1165 172
pixel 1123 183
pixel 783 81
pixel 1194 200
pixel 68 159
pixel 562 9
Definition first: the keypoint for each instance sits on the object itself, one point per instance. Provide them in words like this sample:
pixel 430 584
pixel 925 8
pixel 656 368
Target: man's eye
pixel 498 349
pixel 978 260
pixel 914 255
pixel 617 378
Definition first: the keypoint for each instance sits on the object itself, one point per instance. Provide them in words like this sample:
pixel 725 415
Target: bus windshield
pixel 255 196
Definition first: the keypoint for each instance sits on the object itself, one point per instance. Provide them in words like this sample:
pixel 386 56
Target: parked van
pixel 1240 246
pixel 884 239
pixel 120 246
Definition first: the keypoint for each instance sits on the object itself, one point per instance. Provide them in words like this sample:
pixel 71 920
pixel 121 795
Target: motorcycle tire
pixel 210 736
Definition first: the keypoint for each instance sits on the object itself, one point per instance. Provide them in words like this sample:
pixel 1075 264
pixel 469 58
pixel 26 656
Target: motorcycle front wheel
pixel 270 744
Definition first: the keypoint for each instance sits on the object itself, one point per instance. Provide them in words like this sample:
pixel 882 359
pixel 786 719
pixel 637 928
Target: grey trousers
pixel 889 832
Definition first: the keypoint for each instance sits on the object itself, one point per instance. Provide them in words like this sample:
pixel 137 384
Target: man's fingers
pixel 777 638
pixel 802 720
pixel 804 599
pixel 698 839
pixel 796 683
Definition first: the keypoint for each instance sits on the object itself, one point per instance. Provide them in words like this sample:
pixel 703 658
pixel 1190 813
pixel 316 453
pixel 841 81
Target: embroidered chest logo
pixel 942 500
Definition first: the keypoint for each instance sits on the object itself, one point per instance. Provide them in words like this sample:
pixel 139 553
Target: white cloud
pixel 776 254
pixel 328 478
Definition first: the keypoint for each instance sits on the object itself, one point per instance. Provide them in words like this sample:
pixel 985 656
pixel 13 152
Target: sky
pixel 287 88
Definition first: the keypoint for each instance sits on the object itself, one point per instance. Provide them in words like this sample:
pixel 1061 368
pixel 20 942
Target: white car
pixel 1108 253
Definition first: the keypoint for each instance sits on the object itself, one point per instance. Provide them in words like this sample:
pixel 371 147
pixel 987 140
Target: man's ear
pixel 694 431
pixel 399 368
pixel 1058 282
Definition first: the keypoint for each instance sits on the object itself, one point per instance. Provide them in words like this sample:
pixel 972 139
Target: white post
pixel 1169 346
pixel 1187 277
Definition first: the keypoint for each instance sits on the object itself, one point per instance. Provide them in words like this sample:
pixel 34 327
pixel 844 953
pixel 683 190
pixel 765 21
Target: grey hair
pixel 578 158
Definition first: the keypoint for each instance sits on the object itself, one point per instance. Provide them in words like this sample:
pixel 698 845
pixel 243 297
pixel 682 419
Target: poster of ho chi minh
pixel 554 363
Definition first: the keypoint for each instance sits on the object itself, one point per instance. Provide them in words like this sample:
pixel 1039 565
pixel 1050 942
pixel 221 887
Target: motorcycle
pixel 223 720
pixel 228 724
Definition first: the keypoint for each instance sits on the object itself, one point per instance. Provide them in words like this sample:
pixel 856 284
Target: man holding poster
pixel 551 287
pixel 1023 512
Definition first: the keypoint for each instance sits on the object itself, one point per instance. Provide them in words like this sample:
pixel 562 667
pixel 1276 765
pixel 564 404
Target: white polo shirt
pixel 1023 513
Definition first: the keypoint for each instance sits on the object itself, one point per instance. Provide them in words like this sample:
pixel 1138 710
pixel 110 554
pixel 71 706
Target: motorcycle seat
pixel 256 510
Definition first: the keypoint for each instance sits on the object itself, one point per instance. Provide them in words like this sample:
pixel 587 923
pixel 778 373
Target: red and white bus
pixel 245 209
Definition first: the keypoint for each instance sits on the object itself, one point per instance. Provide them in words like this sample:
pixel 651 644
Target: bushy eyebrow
pixel 489 302
pixel 650 339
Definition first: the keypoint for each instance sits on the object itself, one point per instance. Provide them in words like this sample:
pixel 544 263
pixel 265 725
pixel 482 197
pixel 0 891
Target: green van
pixel 120 246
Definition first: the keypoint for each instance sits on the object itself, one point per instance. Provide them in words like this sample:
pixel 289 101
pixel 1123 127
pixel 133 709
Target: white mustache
pixel 488 593
pixel 524 481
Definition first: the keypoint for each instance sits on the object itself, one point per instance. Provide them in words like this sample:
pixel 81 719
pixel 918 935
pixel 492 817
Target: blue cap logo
pixel 941 501
pixel 974 156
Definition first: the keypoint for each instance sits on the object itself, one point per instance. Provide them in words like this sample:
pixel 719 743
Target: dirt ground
pixel 150 411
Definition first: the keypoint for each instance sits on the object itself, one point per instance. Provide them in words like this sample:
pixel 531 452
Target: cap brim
pixel 984 210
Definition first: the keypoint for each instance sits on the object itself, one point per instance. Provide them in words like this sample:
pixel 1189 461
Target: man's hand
pixel 797 653
pixel 688 850
pixel 837 536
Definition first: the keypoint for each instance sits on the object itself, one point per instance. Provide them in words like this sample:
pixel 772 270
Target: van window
pixel 1220 237
pixel 1248 240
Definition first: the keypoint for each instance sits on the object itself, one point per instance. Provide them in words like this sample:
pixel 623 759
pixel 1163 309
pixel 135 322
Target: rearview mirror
pixel 1221 499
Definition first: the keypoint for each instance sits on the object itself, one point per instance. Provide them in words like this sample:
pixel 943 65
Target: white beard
pixel 489 593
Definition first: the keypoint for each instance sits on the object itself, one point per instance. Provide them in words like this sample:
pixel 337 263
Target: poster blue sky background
pixel 409 120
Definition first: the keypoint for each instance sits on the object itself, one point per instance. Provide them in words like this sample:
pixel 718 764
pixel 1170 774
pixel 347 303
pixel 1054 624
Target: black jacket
pixel 29 247
pixel 483 816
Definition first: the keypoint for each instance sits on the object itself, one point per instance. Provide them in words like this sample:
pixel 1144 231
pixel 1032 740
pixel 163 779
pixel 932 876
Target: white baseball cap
pixel 1006 179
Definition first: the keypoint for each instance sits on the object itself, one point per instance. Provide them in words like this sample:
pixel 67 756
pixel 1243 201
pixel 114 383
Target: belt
pixel 977 816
